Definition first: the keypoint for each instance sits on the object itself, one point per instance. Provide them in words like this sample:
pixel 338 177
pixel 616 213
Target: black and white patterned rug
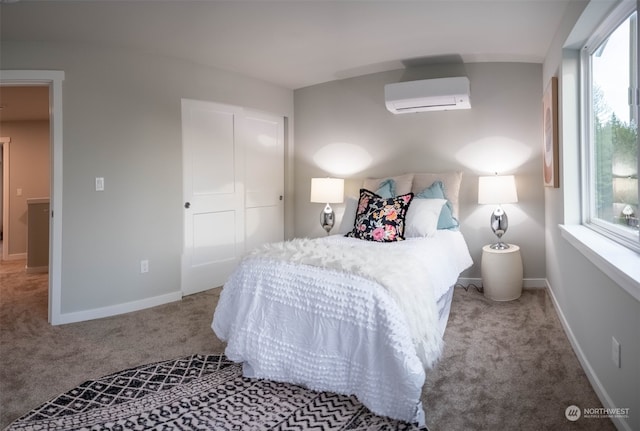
pixel 199 392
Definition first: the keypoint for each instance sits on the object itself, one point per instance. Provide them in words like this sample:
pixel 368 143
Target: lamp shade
pixel 497 189
pixel 327 190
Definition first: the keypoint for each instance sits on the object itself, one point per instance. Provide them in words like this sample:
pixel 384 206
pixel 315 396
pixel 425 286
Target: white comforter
pixel 332 324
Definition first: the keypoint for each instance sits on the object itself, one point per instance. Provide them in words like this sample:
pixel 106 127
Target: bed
pixel 348 315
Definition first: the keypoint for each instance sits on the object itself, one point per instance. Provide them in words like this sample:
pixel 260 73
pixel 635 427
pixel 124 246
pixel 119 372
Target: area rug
pixel 199 392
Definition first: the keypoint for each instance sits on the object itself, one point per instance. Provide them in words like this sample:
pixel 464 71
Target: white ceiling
pixel 295 44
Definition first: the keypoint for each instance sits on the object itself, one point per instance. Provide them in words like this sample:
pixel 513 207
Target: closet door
pixel 264 178
pixel 213 173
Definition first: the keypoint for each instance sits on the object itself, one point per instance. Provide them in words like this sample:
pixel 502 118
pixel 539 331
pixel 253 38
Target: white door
pixel 264 179
pixel 213 172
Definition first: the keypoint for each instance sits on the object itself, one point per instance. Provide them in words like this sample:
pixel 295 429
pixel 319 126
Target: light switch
pixel 99 184
pixel 18 192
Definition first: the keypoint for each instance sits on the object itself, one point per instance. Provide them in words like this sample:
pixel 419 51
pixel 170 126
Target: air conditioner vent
pixel 428 95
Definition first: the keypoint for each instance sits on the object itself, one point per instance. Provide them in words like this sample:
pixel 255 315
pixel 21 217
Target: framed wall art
pixel 550 156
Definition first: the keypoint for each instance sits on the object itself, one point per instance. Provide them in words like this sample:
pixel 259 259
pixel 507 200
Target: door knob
pixel 187 205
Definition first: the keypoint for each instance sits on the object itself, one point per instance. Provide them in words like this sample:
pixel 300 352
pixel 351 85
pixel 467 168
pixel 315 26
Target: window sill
pixel 616 261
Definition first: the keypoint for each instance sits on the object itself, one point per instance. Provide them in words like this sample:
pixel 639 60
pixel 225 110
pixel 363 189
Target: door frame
pixel 53 79
pixel 4 143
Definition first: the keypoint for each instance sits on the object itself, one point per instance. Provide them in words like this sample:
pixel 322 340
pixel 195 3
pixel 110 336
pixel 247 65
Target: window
pixel 611 95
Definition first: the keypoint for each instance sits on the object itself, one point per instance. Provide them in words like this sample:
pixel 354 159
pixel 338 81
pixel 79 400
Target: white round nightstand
pixel 502 273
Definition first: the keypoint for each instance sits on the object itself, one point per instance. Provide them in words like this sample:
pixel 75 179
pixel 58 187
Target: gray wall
pixel 502 132
pixel 122 122
pixel 593 307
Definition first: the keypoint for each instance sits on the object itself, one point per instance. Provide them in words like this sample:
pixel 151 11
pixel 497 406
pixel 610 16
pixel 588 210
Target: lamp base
pixel 327 218
pixel 499 225
pixel 499 246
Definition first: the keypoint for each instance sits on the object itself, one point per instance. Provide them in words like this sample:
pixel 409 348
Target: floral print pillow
pixel 380 219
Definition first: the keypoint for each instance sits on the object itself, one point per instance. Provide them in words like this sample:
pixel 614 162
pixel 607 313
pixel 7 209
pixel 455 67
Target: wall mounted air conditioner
pixel 438 94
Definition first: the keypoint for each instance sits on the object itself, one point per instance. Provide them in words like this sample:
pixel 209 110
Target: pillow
pixel 349 215
pixel 387 188
pixel 403 183
pixel 379 219
pixel 451 182
pixel 422 217
pixel 436 191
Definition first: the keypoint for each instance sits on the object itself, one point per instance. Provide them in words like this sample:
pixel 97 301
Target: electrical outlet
pixel 99 184
pixel 615 352
pixel 144 266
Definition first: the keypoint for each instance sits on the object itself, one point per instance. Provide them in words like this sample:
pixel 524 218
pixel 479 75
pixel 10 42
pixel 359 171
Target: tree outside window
pixel 614 84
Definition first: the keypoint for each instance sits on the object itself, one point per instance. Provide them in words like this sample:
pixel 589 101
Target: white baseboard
pixel 527 283
pixel 37 269
pixel 15 256
pixel 113 310
pixel 598 387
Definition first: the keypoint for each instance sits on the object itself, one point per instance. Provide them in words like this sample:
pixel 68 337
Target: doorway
pixel 53 81
pixel 25 139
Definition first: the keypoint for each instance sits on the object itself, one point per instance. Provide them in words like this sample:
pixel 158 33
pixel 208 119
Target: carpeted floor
pixel 505 365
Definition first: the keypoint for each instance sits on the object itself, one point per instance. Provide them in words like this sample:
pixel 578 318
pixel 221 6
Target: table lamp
pixel 327 191
pixel 498 189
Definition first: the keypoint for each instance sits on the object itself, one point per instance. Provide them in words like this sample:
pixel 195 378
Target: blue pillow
pixel 387 189
pixel 436 191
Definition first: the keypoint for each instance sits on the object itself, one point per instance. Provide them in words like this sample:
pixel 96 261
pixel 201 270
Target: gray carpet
pixel 505 365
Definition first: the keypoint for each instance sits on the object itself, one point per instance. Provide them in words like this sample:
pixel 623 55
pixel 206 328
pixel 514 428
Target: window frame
pixel 609 25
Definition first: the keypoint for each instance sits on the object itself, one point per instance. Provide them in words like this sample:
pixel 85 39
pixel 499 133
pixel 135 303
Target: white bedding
pixel 317 325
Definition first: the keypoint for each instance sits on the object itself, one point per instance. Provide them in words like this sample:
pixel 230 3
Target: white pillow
pixel 422 217
pixel 349 215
